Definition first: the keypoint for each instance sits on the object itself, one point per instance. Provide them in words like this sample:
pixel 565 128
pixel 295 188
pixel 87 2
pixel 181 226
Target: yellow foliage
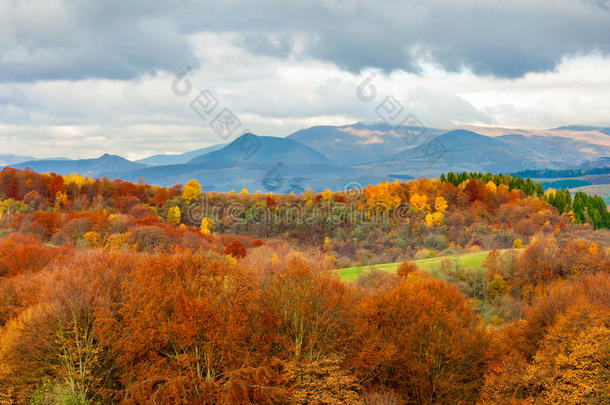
pixel 206 225
pixel 518 243
pixel 244 191
pixel 192 191
pixel 61 198
pixel 440 204
pixel 117 241
pixel 491 187
pixel 424 254
pixel 327 195
pixel 174 215
pixel 418 202
pixel 326 243
pixel 593 248
pixel 231 260
pixel 434 219
pixel 381 198
pixel 93 239
pixel 275 259
pixel 77 180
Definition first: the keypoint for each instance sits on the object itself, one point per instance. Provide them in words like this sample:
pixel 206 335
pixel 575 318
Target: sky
pixel 83 78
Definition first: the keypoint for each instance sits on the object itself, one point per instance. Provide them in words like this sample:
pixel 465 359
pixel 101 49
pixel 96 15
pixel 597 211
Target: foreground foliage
pixel 108 294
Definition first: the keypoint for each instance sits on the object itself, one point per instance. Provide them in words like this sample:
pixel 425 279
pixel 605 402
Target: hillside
pixel 335 156
pixel 264 149
pixel 105 165
pixel 358 143
pixel 173 159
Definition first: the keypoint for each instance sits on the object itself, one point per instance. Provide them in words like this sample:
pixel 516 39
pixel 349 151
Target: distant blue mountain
pixel 460 150
pixel 334 157
pixel 105 165
pixel 265 149
pixel 174 159
pixel 7 160
pixel 361 142
pixel 581 128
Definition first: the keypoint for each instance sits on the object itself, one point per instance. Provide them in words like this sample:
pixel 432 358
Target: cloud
pixel 61 39
pixel 79 79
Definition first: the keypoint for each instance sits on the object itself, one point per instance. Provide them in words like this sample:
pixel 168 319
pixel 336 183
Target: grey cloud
pixel 115 39
pixel 78 40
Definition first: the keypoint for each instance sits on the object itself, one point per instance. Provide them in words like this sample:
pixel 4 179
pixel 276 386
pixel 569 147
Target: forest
pixel 119 292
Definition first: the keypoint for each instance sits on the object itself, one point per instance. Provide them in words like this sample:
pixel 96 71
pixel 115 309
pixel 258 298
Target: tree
pixel 440 204
pixel 421 339
pixel 406 268
pixel 174 215
pixel 236 249
pixel 434 219
pixel 418 202
pixel 497 287
pixel 192 191
pixel 327 195
pixel 560 352
pixel 207 224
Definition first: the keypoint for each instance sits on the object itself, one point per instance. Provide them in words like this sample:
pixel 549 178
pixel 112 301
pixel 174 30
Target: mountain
pixel 7 160
pixel 463 150
pixel 338 157
pixel 561 150
pixel 602 162
pixel 584 128
pixel 264 149
pixel 457 150
pixel 105 165
pixel 361 142
pixel 167 159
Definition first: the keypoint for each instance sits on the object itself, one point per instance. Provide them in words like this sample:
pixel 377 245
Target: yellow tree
pixel 192 191
pixel 174 215
pixel 440 204
pixel 206 225
pixel 434 219
pixel 327 195
pixel 418 202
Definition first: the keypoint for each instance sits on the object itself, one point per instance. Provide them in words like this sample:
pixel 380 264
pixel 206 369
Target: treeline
pixel 551 174
pixel 382 223
pixel 585 208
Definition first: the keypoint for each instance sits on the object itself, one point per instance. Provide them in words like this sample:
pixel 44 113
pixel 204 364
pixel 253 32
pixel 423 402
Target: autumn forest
pixel 469 288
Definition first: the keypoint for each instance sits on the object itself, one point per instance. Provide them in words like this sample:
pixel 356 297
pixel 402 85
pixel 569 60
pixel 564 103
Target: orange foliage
pixel 421 339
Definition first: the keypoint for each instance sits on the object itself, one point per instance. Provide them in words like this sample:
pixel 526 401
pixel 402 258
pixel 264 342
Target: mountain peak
pixel 255 148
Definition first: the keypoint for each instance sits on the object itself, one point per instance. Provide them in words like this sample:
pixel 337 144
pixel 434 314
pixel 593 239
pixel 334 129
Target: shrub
pixel 406 268
pixel 373 279
pixel 236 249
pixel 148 237
pixel 435 241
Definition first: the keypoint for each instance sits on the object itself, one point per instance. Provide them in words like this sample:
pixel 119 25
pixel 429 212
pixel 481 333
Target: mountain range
pixel 336 157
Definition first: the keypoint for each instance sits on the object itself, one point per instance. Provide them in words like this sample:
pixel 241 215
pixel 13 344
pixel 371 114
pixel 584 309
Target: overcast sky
pixel 81 78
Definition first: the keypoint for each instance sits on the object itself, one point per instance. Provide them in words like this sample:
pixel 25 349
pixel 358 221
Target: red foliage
pixel 55 185
pixel 236 249
pixel 45 224
pixel 25 254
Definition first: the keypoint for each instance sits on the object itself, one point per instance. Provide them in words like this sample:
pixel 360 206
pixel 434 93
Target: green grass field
pixel 431 264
